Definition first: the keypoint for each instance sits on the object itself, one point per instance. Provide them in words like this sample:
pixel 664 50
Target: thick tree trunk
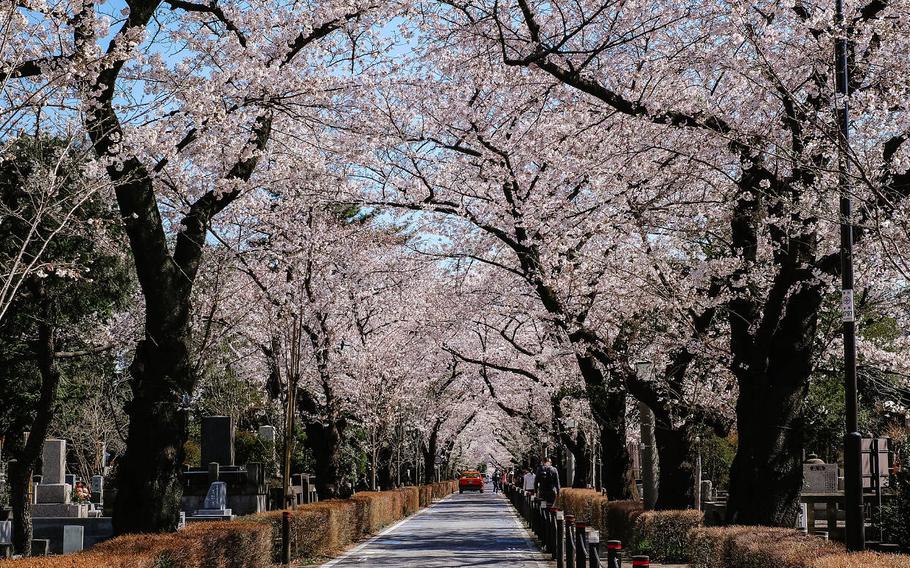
pixel 386 474
pixel 429 449
pixel 325 441
pixel 766 475
pixel 609 410
pixel 27 457
pixel 148 486
pixel 20 479
pixel 773 370
pixel 583 459
pixel 676 481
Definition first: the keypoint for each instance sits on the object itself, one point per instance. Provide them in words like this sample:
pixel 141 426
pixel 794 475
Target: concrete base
pixel 55 510
pixel 239 504
pixel 96 530
pixel 55 493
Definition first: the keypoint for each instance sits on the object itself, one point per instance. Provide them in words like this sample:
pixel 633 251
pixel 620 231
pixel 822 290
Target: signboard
pixel 820 478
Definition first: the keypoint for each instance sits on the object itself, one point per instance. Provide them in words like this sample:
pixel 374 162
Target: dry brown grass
pixel 862 560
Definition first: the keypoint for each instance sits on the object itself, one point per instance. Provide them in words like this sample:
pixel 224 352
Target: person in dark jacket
pixel 547 482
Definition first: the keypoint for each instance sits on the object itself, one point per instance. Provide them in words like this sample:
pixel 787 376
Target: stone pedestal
pixel 71 510
pixel 53 493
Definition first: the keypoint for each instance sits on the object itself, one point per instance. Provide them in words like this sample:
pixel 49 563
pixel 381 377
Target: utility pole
pixel 853 483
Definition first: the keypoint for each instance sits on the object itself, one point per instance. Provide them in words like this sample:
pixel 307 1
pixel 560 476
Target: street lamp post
pixel 570 457
pixel 853 485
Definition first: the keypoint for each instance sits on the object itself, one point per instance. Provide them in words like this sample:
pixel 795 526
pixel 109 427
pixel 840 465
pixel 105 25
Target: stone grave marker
pixel 53 461
pixel 217 496
pixel 40 546
pixel 6 539
pixel 267 433
pixel 217 440
pixel 73 536
pixel 96 485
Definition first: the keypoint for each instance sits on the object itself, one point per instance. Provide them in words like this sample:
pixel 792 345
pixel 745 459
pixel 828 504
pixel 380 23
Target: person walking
pixel 497 480
pixel 547 482
pixel 527 480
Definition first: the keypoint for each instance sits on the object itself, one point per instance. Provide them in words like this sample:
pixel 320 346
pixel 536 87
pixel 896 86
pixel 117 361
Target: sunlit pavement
pixel 473 529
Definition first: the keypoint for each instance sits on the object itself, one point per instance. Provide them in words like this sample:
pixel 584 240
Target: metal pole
pixel 570 541
pixel 853 484
pixel 285 537
pixel 560 539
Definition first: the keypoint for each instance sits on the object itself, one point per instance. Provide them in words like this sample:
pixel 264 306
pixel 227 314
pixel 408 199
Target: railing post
pixel 614 554
pixel 581 547
pixel 570 541
pixel 594 548
pixel 285 537
pixel 551 531
pixel 560 539
pixel 544 524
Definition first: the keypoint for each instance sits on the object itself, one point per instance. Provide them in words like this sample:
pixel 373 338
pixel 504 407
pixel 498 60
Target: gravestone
pixel 73 538
pixel 6 539
pixel 218 440
pixel 52 496
pixel 71 479
pixel 97 486
pixel 215 504
pixel 53 470
pixel 820 478
pixel 217 496
pixel 182 522
pixel 40 546
pixel 707 491
pixel 267 434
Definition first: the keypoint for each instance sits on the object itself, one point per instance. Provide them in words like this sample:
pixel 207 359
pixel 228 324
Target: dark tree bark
pixel 385 476
pixel 581 451
pixel 429 448
pixel 22 469
pixel 20 481
pixel 676 481
pixel 325 441
pixel 609 408
pixel 608 405
pixel 772 343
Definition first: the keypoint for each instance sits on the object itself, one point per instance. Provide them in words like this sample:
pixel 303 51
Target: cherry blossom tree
pixel 183 103
pixel 757 79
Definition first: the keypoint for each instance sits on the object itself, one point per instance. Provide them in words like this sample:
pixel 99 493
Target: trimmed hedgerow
pixel 758 547
pixel 862 560
pixel 254 541
pixel 664 535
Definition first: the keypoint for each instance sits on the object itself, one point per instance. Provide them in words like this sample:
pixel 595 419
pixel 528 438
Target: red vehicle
pixel 470 481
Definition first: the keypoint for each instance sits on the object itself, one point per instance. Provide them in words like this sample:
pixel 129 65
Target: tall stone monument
pixel 53 496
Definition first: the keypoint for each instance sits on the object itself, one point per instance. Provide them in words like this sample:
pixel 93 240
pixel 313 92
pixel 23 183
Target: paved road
pixel 462 530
